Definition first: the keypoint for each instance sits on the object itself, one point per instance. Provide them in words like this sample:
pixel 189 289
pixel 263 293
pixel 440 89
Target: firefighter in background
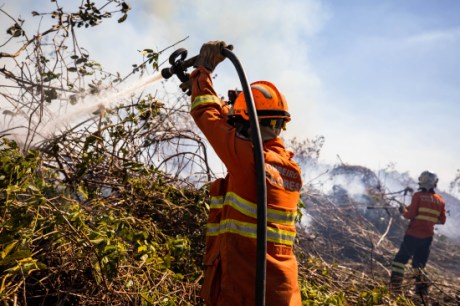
pixel 427 209
pixel 230 255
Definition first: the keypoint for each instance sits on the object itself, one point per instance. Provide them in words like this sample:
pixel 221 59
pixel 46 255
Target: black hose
pixel 261 254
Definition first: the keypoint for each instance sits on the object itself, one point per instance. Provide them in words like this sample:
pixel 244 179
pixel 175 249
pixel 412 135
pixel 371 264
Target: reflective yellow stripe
pixel 397 267
pixel 250 209
pixel 430 211
pixel 205 99
pixel 217 202
pixel 427 218
pixel 249 230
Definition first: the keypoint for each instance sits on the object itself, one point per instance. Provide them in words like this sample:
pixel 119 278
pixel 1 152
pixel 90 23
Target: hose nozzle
pixel 179 65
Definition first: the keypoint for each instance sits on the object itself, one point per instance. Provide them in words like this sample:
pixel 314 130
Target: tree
pixel 50 66
pixel 51 71
pixel 102 211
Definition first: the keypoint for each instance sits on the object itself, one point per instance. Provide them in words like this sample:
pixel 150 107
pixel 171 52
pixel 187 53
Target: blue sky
pixel 378 79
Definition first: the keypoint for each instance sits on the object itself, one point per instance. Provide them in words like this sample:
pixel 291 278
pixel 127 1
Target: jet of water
pixel 103 101
pixel 90 106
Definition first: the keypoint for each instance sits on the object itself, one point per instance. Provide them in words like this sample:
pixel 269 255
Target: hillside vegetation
pixel 83 223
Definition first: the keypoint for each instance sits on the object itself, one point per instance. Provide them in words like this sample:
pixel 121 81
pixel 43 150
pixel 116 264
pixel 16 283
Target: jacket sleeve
pixel 442 216
pixel 412 209
pixel 210 114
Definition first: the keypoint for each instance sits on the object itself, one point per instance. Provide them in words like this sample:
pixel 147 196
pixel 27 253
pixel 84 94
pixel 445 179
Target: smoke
pixel 450 228
pixel 306 220
pixel 327 179
pixel 270 40
pixel 346 184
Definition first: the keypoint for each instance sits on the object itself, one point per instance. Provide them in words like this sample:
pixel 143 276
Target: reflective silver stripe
pixel 249 230
pixel 279 236
pixel 397 270
pixel 250 209
pixel 430 211
pixel 217 202
pixel 205 99
pixel 427 218
pixel 398 264
pixel 397 267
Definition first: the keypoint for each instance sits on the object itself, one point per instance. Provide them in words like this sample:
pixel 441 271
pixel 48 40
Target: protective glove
pixel 187 85
pixel 211 54
pixel 408 190
pixel 402 208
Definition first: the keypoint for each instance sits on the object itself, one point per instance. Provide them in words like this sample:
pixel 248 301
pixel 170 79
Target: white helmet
pixel 427 180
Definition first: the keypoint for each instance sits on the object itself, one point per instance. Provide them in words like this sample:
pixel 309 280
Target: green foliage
pixel 15 30
pixel 313 295
pixel 374 296
pixel 315 292
pixel 91 15
pixel 152 58
pixel 326 284
pixel 59 246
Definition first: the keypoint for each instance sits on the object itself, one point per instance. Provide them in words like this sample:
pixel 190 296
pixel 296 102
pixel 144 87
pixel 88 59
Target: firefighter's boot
pixel 422 283
pixel 396 280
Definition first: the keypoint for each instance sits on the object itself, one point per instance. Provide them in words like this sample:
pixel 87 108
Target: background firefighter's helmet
pixel 269 103
pixel 427 180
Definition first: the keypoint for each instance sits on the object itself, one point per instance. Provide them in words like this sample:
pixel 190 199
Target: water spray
pixel 91 106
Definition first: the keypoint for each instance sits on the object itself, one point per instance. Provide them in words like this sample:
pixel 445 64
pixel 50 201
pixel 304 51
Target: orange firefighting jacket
pixel 230 255
pixel 426 210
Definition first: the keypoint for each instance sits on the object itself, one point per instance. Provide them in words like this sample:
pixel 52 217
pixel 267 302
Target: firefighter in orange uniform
pixel 230 255
pixel 427 209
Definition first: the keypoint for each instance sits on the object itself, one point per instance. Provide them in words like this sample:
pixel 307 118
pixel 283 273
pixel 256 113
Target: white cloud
pixel 270 40
pixel 435 37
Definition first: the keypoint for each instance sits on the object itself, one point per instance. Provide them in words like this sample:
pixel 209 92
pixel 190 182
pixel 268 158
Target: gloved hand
pixel 408 190
pixel 402 208
pixel 187 85
pixel 211 54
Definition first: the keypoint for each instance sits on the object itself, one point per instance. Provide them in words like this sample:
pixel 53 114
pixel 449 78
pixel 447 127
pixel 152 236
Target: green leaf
pixel 17 255
pixel 83 191
pixel 123 18
pixel 50 95
pixel 25 266
pixel 33 188
pixel 8 249
pixel 15 30
pixel 97 241
pixel 12 189
pixel 125 7
pixel 142 248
